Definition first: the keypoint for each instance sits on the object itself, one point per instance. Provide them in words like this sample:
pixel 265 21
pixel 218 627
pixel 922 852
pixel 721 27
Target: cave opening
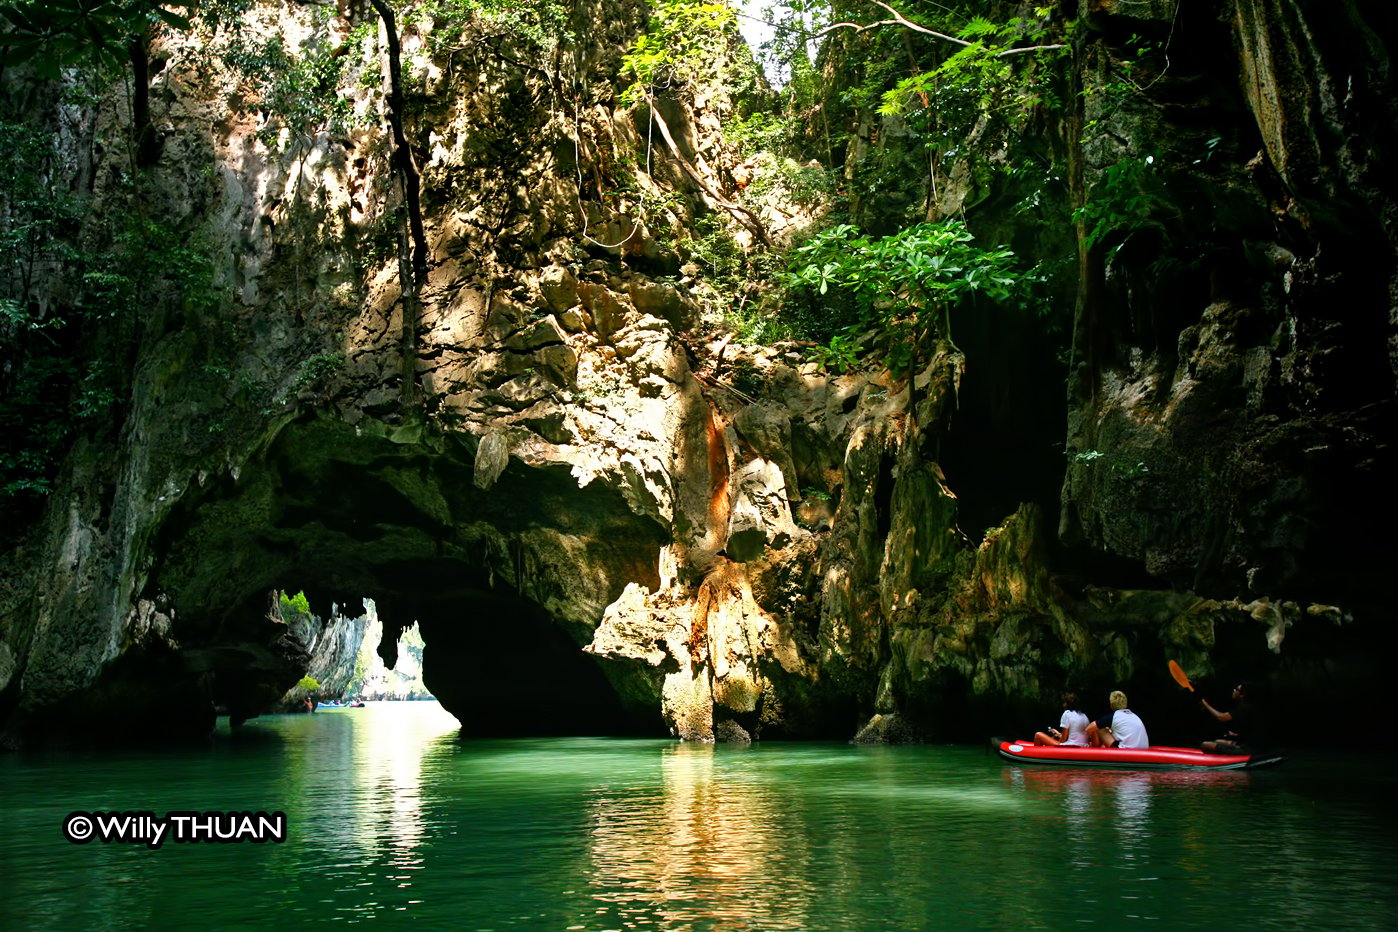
pixel 505 584
pixel 497 661
pixel 504 668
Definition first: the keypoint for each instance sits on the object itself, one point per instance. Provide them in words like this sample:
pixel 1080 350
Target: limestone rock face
pixel 1232 399
pixel 603 523
pixel 334 646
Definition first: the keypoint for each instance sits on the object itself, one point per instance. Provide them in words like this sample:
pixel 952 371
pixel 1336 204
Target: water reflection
pixel 1123 859
pixel 359 792
pixel 391 814
pixel 703 849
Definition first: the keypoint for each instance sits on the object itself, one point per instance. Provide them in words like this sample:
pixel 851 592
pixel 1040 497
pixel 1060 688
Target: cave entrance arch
pixel 501 663
pixel 506 579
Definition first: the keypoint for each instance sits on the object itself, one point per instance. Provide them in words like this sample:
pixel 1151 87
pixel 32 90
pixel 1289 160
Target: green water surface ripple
pixel 392 818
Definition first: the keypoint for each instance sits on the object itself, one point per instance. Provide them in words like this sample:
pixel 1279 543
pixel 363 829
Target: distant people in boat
pixel 1241 721
pixel 1072 726
pixel 1119 728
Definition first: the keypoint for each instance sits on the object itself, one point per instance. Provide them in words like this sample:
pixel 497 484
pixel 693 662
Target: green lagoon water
pixel 393 819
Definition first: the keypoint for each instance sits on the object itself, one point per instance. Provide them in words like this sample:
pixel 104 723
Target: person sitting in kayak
pixel 1119 728
pixel 1241 722
pixel 1072 727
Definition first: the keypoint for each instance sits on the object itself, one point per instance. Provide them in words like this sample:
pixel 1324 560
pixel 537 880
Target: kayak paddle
pixel 1179 676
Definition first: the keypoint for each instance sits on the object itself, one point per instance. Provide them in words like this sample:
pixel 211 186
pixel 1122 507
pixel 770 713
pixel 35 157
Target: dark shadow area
pixel 1005 443
pixel 504 668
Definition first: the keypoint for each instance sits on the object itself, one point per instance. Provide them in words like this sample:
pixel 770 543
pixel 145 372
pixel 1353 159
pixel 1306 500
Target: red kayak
pixel 1151 758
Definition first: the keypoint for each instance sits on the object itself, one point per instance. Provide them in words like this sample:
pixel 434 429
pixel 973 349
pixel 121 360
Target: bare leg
pixel 1043 738
pixel 1223 746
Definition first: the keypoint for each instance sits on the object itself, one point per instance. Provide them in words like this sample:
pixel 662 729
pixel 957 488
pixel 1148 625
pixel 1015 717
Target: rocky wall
pixel 1233 393
pixel 603 514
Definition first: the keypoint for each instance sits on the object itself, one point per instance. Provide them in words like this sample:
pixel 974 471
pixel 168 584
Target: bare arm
pixel 1221 716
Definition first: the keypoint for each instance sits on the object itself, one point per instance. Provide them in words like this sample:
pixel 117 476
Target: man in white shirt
pixel 1119 728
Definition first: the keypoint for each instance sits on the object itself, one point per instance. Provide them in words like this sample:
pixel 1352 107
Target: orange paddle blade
pixel 1179 676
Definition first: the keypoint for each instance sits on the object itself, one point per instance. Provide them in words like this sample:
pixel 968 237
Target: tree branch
pixel 906 23
pixel 743 215
pixel 412 265
pixel 900 20
pixel 403 153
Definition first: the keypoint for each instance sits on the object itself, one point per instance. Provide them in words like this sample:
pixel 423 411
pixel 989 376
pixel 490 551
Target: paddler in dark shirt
pixel 1241 721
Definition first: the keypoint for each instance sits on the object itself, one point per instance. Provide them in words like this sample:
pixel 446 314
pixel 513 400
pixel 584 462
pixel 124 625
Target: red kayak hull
pixel 1151 758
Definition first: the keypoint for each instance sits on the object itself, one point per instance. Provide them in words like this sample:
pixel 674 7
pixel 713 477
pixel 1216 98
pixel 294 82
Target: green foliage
pixel 316 370
pixel 759 132
pixel 790 182
pixel 294 605
pixel 687 42
pixel 32 438
pixel 981 74
pixel 1115 463
pixel 1124 200
pixel 37 212
pixel 55 34
pixel 1137 64
pixel 146 257
pixel 737 282
pixel 300 88
pixel 214 15
pixel 900 288
pixel 714 249
pixel 840 354
pixel 924 124
pixel 542 24
pixel 308 684
pixel 76 294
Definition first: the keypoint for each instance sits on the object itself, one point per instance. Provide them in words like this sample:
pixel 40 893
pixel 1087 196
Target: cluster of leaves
pixel 36 220
pixel 299 89
pixel 36 216
pixel 898 290
pixel 317 369
pixel 1117 464
pixel 144 257
pixel 986 71
pixel 52 35
pixel 542 24
pixel 74 373
pixel 905 107
pixel 293 605
pixel 1137 63
pixel 688 42
pixel 1125 199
